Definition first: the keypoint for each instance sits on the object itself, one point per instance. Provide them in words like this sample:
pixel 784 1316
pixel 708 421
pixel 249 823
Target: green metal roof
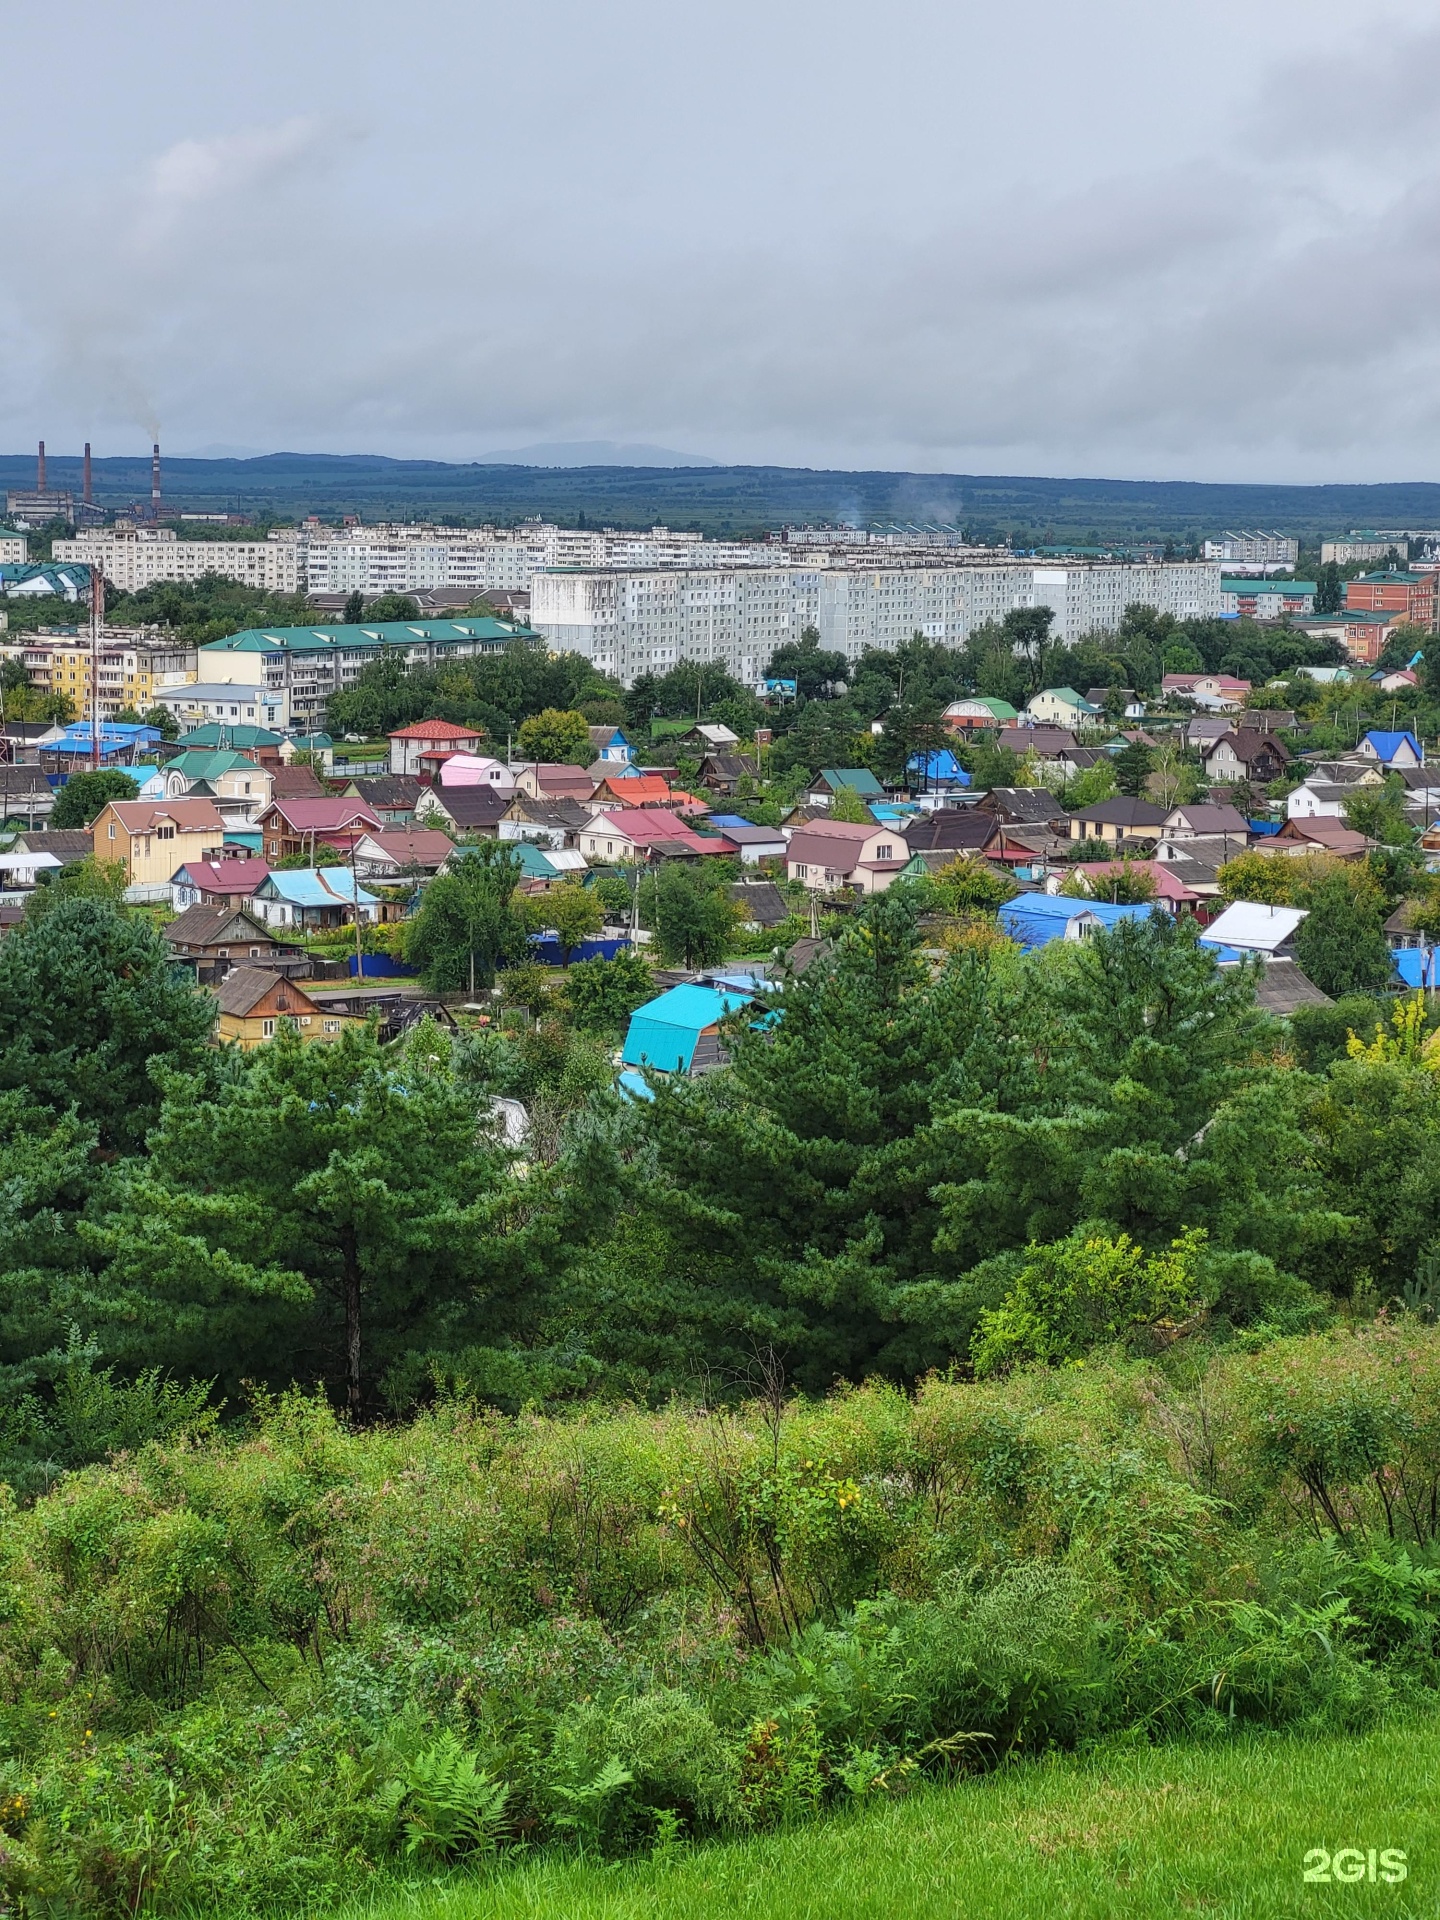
pixel 226 734
pixel 384 633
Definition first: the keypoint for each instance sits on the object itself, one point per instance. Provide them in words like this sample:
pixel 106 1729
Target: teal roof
pixel 383 633
pixel 663 1033
pixel 1254 584
pixel 858 779
pixel 1070 696
pixel 196 763
pixel 227 734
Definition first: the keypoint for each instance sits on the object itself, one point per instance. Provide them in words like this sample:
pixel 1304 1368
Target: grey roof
pixel 951 830
pixel 207 926
pixel 761 901
pixel 1282 987
pixel 66 843
pixel 472 808
pixel 1122 811
pixel 1033 805
pixel 389 789
pixel 246 987
pixel 1202 818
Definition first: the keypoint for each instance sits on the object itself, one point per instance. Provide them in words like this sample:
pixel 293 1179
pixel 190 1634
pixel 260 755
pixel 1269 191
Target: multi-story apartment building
pixel 414 559
pixel 1412 595
pixel 14 551
pixel 134 664
pixel 1362 547
pixel 132 558
pixel 1254 550
pixel 635 621
pixel 304 666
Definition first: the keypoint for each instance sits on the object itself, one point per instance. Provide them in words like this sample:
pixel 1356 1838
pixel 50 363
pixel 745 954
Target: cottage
pixel 832 780
pixel 725 772
pixel 544 780
pixel 830 854
pixel 1247 926
pixel 217 939
pixel 216 883
pixel 1122 820
pixel 1044 742
pixel 223 776
pixel 295 827
pixel 1024 807
pixel 761 904
pixel 1299 837
pixel 640 790
pixel 408 744
pixel 631 834
pixel 1220 690
pixel 313 899
pixel 1061 707
pixel 610 745
pixel 953 831
pixel 255 1002
pixel 476 811
pixel 151 838
pixel 391 797
pixel 1199 820
pixel 707 736
pixel 395 855
pixel 549 823
pixel 1400 749
pixel 1035 919
pixel 1246 755
pixel 968 716
pixel 680 1031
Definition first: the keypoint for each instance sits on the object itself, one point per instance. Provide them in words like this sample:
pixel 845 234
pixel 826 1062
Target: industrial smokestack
pixel 87 495
pixel 155 481
pixel 40 470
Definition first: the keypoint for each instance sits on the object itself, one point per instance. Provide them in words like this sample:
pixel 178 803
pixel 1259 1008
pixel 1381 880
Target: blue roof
pixel 940 764
pixel 1387 745
pixel 1418 966
pixel 1035 919
pixel 308 887
pixel 663 1033
pixel 634 1086
pixel 730 820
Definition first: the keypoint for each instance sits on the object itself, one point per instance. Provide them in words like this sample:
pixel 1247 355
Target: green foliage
pixel 468 924
pixel 574 912
pixel 84 794
pixel 447 1803
pixel 556 738
pixel 1091 785
pixel 208 609
pixel 602 994
pixel 1085 1291
pixel 694 919
pixel 390 606
pixel 88 1004
pixel 972 885
pixel 1341 943
pixel 1132 768
pixel 1124 882
pixel 849 807
pixel 494 692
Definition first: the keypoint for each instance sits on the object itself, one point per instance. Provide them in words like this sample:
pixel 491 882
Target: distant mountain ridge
pixel 741 500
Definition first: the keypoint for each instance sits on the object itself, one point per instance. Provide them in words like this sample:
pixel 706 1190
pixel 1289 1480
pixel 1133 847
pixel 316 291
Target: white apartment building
pixel 1254 549
pixel 13 550
pixel 635 621
pixel 132 558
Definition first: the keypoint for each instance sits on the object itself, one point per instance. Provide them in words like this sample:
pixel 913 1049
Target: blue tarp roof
pixel 941 764
pixel 1387 745
pixel 1035 919
pixel 310 887
pixel 1419 966
pixel 663 1033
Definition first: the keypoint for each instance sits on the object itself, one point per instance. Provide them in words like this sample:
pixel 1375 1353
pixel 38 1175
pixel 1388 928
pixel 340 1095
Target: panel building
pixel 134 557
pixel 631 621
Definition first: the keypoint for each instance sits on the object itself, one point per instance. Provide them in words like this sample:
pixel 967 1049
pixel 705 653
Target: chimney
pixel 40 470
pixel 87 494
pixel 155 481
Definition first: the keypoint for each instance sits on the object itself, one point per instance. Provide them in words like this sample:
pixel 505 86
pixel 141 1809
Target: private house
pixel 831 780
pixel 543 780
pixel 291 827
pixel 640 790
pixel 1046 743
pixel 395 855
pixel 294 783
pixel 1400 929
pixel 1132 707
pixel 761 904
pixel 254 1002
pixel 706 736
pixel 313 899
pixel 953 832
pixel 1321 797
pixel 391 797
pixel 1172 892
pixel 1392 749
pixel 1035 919
pixel 1299 837
pixel 639 833
pixel 680 1031
pixel 151 838
pixel 260 743
pixel 938 769
pixel 408 744
pixel 1199 820
pixel 26 797
pixel 477 811
pixel 610 745
pixel 65 843
pixel 1221 690
pixel 1247 926
pixel 1061 707
pixel 755 844
pixel 827 855
pixel 214 940
pixel 1025 807
pixel 1124 821
pixel 967 716
pixel 220 774
pixel 723 772
pixel 549 823
pixel 216 883
pixel 1246 755
pixel 475 770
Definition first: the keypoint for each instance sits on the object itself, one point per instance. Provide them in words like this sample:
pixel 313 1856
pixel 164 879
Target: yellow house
pixel 255 1002
pixel 155 837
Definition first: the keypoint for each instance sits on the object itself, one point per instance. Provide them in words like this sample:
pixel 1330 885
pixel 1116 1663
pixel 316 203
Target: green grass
pixel 1217 1830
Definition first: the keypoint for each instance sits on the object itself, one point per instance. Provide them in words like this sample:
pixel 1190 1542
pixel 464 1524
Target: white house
pixel 1061 707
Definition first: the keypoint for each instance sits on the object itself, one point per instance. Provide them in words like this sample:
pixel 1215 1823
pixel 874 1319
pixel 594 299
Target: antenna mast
pixel 97 620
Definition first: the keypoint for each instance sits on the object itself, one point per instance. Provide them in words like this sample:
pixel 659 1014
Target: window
pixel 254 953
pixel 267 1029
pixel 112 829
pixel 801 873
pixel 885 851
pixel 332 1026
pixel 223 953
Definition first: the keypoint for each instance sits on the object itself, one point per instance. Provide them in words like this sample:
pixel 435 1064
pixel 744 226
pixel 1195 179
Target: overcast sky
pixel 1118 238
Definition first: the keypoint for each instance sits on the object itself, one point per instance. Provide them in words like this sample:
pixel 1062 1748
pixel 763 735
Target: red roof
pixel 1168 886
pixel 643 826
pixel 436 730
pixel 227 876
pixel 322 816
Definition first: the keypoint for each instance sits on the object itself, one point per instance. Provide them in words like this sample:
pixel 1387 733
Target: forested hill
pixel 742 500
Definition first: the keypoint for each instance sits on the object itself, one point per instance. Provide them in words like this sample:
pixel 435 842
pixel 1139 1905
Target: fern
pixel 447 1802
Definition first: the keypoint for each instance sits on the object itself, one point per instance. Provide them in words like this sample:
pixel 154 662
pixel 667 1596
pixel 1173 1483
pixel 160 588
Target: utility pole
pixel 355 901
pixel 97 620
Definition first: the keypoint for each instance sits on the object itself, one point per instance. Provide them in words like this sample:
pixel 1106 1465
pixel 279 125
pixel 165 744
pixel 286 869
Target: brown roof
pixel 208 926
pixel 189 816
pixel 295 783
pixel 242 991
pixel 952 829
pixel 829 843
pixel 424 847
pixel 1031 806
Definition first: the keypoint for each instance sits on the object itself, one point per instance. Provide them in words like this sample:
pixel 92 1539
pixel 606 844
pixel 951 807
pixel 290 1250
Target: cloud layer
pixel 1147 256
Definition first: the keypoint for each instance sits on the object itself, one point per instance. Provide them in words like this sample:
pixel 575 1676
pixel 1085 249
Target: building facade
pixel 648 620
pixel 132 558
pixel 1411 595
pixel 134 664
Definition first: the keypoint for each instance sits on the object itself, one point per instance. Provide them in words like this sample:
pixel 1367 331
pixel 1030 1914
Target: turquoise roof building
pixel 679 1032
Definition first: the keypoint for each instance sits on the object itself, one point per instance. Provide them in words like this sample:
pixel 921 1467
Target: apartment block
pixel 133 558
pixel 1254 550
pixel 648 620
pixel 134 664
pixel 1411 595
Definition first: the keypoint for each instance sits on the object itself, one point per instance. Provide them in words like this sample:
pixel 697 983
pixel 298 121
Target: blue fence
pixel 380 966
pixel 546 948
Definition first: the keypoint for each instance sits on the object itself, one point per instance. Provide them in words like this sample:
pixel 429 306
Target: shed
pixel 679 1031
